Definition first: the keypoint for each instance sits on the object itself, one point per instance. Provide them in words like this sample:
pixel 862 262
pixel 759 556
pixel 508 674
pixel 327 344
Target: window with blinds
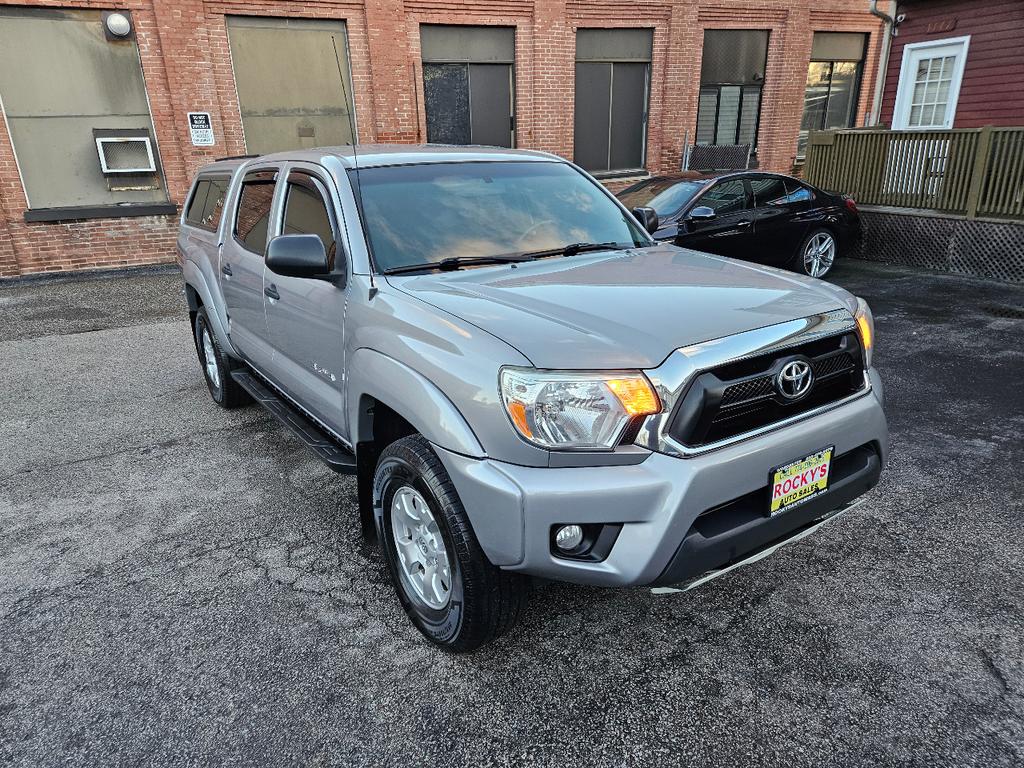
pixel 732 74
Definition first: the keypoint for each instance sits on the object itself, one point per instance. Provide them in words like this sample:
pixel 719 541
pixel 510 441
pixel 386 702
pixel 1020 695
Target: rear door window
pixel 797 192
pixel 306 212
pixel 726 197
pixel 768 190
pixel 253 215
pixel 207 202
pixel 194 212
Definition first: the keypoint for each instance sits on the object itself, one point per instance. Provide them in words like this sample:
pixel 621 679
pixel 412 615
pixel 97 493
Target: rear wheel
pixel 444 581
pixel 817 254
pixel 216 365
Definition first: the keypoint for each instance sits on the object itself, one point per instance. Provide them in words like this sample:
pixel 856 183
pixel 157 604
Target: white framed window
pixel 929 85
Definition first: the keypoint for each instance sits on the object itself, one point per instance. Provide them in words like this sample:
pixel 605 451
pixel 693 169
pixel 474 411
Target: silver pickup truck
pixel 523 382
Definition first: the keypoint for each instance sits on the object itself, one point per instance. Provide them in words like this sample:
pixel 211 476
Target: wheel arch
pixel 388 400
pixel 198 293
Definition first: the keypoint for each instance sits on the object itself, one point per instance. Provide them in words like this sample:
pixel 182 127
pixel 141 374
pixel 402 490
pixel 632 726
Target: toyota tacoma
pixel 523 382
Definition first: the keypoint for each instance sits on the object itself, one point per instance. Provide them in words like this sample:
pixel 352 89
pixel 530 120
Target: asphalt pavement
pixel 181 585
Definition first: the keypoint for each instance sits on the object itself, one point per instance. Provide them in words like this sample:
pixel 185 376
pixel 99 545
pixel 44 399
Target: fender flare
pixel 196 280
pixel 409 394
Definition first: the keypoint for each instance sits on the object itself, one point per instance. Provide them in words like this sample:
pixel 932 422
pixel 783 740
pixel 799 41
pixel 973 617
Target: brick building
pixel 99 100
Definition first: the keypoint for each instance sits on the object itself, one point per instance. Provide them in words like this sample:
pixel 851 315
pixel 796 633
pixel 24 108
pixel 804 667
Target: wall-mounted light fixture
pixel 117 25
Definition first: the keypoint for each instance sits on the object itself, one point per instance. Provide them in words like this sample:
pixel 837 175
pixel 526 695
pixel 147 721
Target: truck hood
pixel 624 308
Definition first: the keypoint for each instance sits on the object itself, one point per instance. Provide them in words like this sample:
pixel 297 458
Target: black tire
pixel 484 601
pixel 225 391
pixel 798 263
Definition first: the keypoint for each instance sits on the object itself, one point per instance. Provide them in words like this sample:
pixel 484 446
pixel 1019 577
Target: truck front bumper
pixel 679 517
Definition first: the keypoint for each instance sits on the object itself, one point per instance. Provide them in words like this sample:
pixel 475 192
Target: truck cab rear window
pixel 207 203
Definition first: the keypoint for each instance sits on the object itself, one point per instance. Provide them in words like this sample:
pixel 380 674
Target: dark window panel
pixel 769 190
pixel 734 56
pixel 446 91
pixel 458 43
pixel 214 208
pixel 194 215
pixel 490 97
pixel 629 102
pixel 726 197
pixel 590 136
pixel 838 46
pixel 614 44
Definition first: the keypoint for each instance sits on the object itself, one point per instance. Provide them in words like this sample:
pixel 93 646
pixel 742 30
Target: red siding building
pixel 956 64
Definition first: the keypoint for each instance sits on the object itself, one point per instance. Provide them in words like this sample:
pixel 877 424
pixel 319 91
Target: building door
pixel 293 81
pixel 612 84
pixel 468 84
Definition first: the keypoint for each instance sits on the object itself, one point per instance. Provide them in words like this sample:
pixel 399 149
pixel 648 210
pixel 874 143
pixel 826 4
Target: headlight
pixel 565 409
pixel 865 329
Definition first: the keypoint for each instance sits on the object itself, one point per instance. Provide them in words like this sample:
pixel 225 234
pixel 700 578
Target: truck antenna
pixel 354 143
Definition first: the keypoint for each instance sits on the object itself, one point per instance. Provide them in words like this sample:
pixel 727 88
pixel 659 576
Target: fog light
pixel 568 537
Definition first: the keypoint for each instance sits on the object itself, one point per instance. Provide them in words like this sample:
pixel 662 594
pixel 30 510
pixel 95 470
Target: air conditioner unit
pixel 125 154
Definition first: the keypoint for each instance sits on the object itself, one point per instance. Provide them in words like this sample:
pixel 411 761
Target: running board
pixel 318 441
pixel 760 554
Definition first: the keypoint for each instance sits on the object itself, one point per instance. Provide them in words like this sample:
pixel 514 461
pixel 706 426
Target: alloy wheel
pixel 819 254
pixel 422 557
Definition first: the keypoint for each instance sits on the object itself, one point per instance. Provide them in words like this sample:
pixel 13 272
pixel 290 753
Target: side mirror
pixel 701 213
pixel 648 217
pixel 297 256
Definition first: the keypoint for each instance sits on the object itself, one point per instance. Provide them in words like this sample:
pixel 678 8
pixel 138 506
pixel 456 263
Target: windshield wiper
pixel 573 248
pixel 457 262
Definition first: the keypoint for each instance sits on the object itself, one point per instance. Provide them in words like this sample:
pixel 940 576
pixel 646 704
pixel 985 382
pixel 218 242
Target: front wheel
pixel 817 254
pixel 445 583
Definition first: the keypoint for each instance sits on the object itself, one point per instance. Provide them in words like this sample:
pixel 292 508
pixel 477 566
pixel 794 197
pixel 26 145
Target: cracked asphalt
pixel 181 585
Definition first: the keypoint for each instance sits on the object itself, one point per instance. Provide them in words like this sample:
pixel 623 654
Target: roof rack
pixel 235 157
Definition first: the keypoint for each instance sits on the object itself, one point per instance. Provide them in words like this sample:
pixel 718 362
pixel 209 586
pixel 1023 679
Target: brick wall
pixel 186 63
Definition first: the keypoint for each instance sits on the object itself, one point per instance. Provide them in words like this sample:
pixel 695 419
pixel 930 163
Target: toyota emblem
pixel 795 379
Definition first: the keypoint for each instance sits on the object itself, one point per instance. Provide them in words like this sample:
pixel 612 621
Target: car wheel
pixel 817 253
pixel 445 583
pixel 216 365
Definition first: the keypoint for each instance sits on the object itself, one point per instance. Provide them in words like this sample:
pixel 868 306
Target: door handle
pixel 743 224
pixel 226 269
pixel 271 292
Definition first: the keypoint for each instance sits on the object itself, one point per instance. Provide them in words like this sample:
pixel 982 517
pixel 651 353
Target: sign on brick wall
pixel 201 128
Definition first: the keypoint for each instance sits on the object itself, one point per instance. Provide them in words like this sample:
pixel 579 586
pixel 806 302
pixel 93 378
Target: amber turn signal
pixel 637 396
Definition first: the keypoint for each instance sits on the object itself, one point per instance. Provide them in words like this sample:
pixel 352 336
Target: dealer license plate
pixel 800 481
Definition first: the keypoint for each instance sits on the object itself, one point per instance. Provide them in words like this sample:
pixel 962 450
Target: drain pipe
pixel 888 32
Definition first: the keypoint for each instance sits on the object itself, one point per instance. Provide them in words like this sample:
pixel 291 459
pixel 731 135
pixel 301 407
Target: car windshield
pixel 423 214
pixel 666 196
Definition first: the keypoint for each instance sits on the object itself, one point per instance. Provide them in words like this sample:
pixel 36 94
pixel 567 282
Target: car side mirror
pixel 701 213
pixel 297 256
pixel 648 217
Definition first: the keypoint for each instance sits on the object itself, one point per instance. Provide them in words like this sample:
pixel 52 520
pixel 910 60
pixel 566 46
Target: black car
pixel 763 217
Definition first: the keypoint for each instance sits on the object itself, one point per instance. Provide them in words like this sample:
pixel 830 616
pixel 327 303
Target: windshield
pixel 422 214
pixel 666 196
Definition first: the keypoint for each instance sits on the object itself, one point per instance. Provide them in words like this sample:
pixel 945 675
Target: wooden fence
pixel 967 172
